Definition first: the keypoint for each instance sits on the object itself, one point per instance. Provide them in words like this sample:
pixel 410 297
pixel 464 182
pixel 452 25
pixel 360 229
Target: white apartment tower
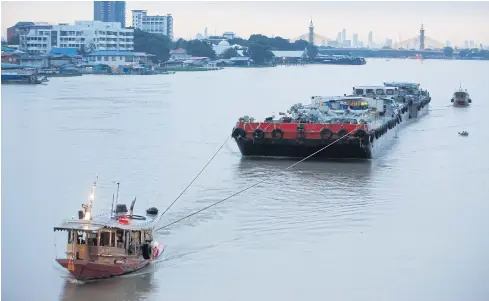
pixel 153 24
pixel 94 35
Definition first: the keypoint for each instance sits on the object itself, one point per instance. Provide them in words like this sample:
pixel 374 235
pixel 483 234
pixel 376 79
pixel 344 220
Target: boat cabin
pixel 372 91
pixel 109 238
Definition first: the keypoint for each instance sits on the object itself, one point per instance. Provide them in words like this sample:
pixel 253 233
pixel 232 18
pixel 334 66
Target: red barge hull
pixel 286 140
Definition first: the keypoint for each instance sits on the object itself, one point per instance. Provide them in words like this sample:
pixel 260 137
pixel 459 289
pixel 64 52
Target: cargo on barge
pixel 351 126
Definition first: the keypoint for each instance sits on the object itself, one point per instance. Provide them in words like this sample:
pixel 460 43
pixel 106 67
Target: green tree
pixel 259 54
pixel 448 51
pixel 181 43
pixel 156 44
pixel 312 51
pixel 229 53
pixel 200 48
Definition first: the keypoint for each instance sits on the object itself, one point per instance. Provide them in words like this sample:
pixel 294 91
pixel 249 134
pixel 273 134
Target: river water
pixel 410 225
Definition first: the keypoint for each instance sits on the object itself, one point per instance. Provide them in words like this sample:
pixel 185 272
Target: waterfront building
pixel 110 11
pixel 89 35
pixel 153 24
pixel 118 59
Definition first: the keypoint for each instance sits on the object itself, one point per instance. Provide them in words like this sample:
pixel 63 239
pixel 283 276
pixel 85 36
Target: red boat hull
pixel 87 270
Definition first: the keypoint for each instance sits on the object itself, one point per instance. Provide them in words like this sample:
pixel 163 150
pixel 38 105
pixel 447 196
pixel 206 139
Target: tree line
pixel 258 47
pixel 467 53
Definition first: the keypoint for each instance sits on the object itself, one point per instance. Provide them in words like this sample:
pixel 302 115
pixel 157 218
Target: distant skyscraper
pixel 338 38
pixel 466 44
pixel 311 33
pixel 472 44
pixel 421 38
pixel 110 11
pixel 355 40
pixel 205 33
pixel 370 39
pixel 343 35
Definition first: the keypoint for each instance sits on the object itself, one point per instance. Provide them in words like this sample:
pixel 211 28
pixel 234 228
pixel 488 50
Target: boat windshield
pixel 460 94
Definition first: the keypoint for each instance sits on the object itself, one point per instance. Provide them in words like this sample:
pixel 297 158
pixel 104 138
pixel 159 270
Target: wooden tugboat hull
pixel 87 270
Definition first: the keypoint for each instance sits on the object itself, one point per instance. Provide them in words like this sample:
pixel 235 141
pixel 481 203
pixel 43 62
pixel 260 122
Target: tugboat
pixel 461 98
pixel 110 244
pixel 463 133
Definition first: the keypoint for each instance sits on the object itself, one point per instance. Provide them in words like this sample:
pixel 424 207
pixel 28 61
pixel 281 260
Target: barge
pixel 359 125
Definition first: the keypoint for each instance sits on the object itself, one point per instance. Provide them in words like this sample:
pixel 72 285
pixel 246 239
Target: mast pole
pixel 91 199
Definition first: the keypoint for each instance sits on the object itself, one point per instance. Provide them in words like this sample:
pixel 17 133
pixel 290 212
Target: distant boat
pixel 461 98
pixel 340 60
pixel 20 77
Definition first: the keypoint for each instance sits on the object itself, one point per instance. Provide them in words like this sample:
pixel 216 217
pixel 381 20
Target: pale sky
pixel 452 21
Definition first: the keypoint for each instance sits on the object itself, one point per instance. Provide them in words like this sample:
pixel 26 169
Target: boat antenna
pixel 112 209
pixel 117 196
pixel 88 216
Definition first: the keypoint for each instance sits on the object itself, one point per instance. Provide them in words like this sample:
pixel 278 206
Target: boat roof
pixel 106 221
pixel 336 98
pixel 373 87
pixel 401 84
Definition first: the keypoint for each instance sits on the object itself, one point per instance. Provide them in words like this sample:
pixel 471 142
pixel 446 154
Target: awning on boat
pixel 79 225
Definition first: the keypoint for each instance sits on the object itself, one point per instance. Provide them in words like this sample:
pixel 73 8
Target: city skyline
pixel 289 20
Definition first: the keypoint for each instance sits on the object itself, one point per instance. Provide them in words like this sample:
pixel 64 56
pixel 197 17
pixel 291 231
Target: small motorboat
pixel 461 98
pixel 463 133
pixel 111 244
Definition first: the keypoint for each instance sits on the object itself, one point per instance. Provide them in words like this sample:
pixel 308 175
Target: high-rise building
pixel 466 44
pixel 472 44
pixel 421 38
pixel 153 24
pixel 343 35
pixel 370 39
pixel 110 11
pixel 355 40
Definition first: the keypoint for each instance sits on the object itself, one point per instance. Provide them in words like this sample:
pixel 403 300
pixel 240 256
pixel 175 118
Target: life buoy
pixel 326 134
pixel 238 133
pixel 258 134
pixel 360 133
pixel 277 134
pixel 341 133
